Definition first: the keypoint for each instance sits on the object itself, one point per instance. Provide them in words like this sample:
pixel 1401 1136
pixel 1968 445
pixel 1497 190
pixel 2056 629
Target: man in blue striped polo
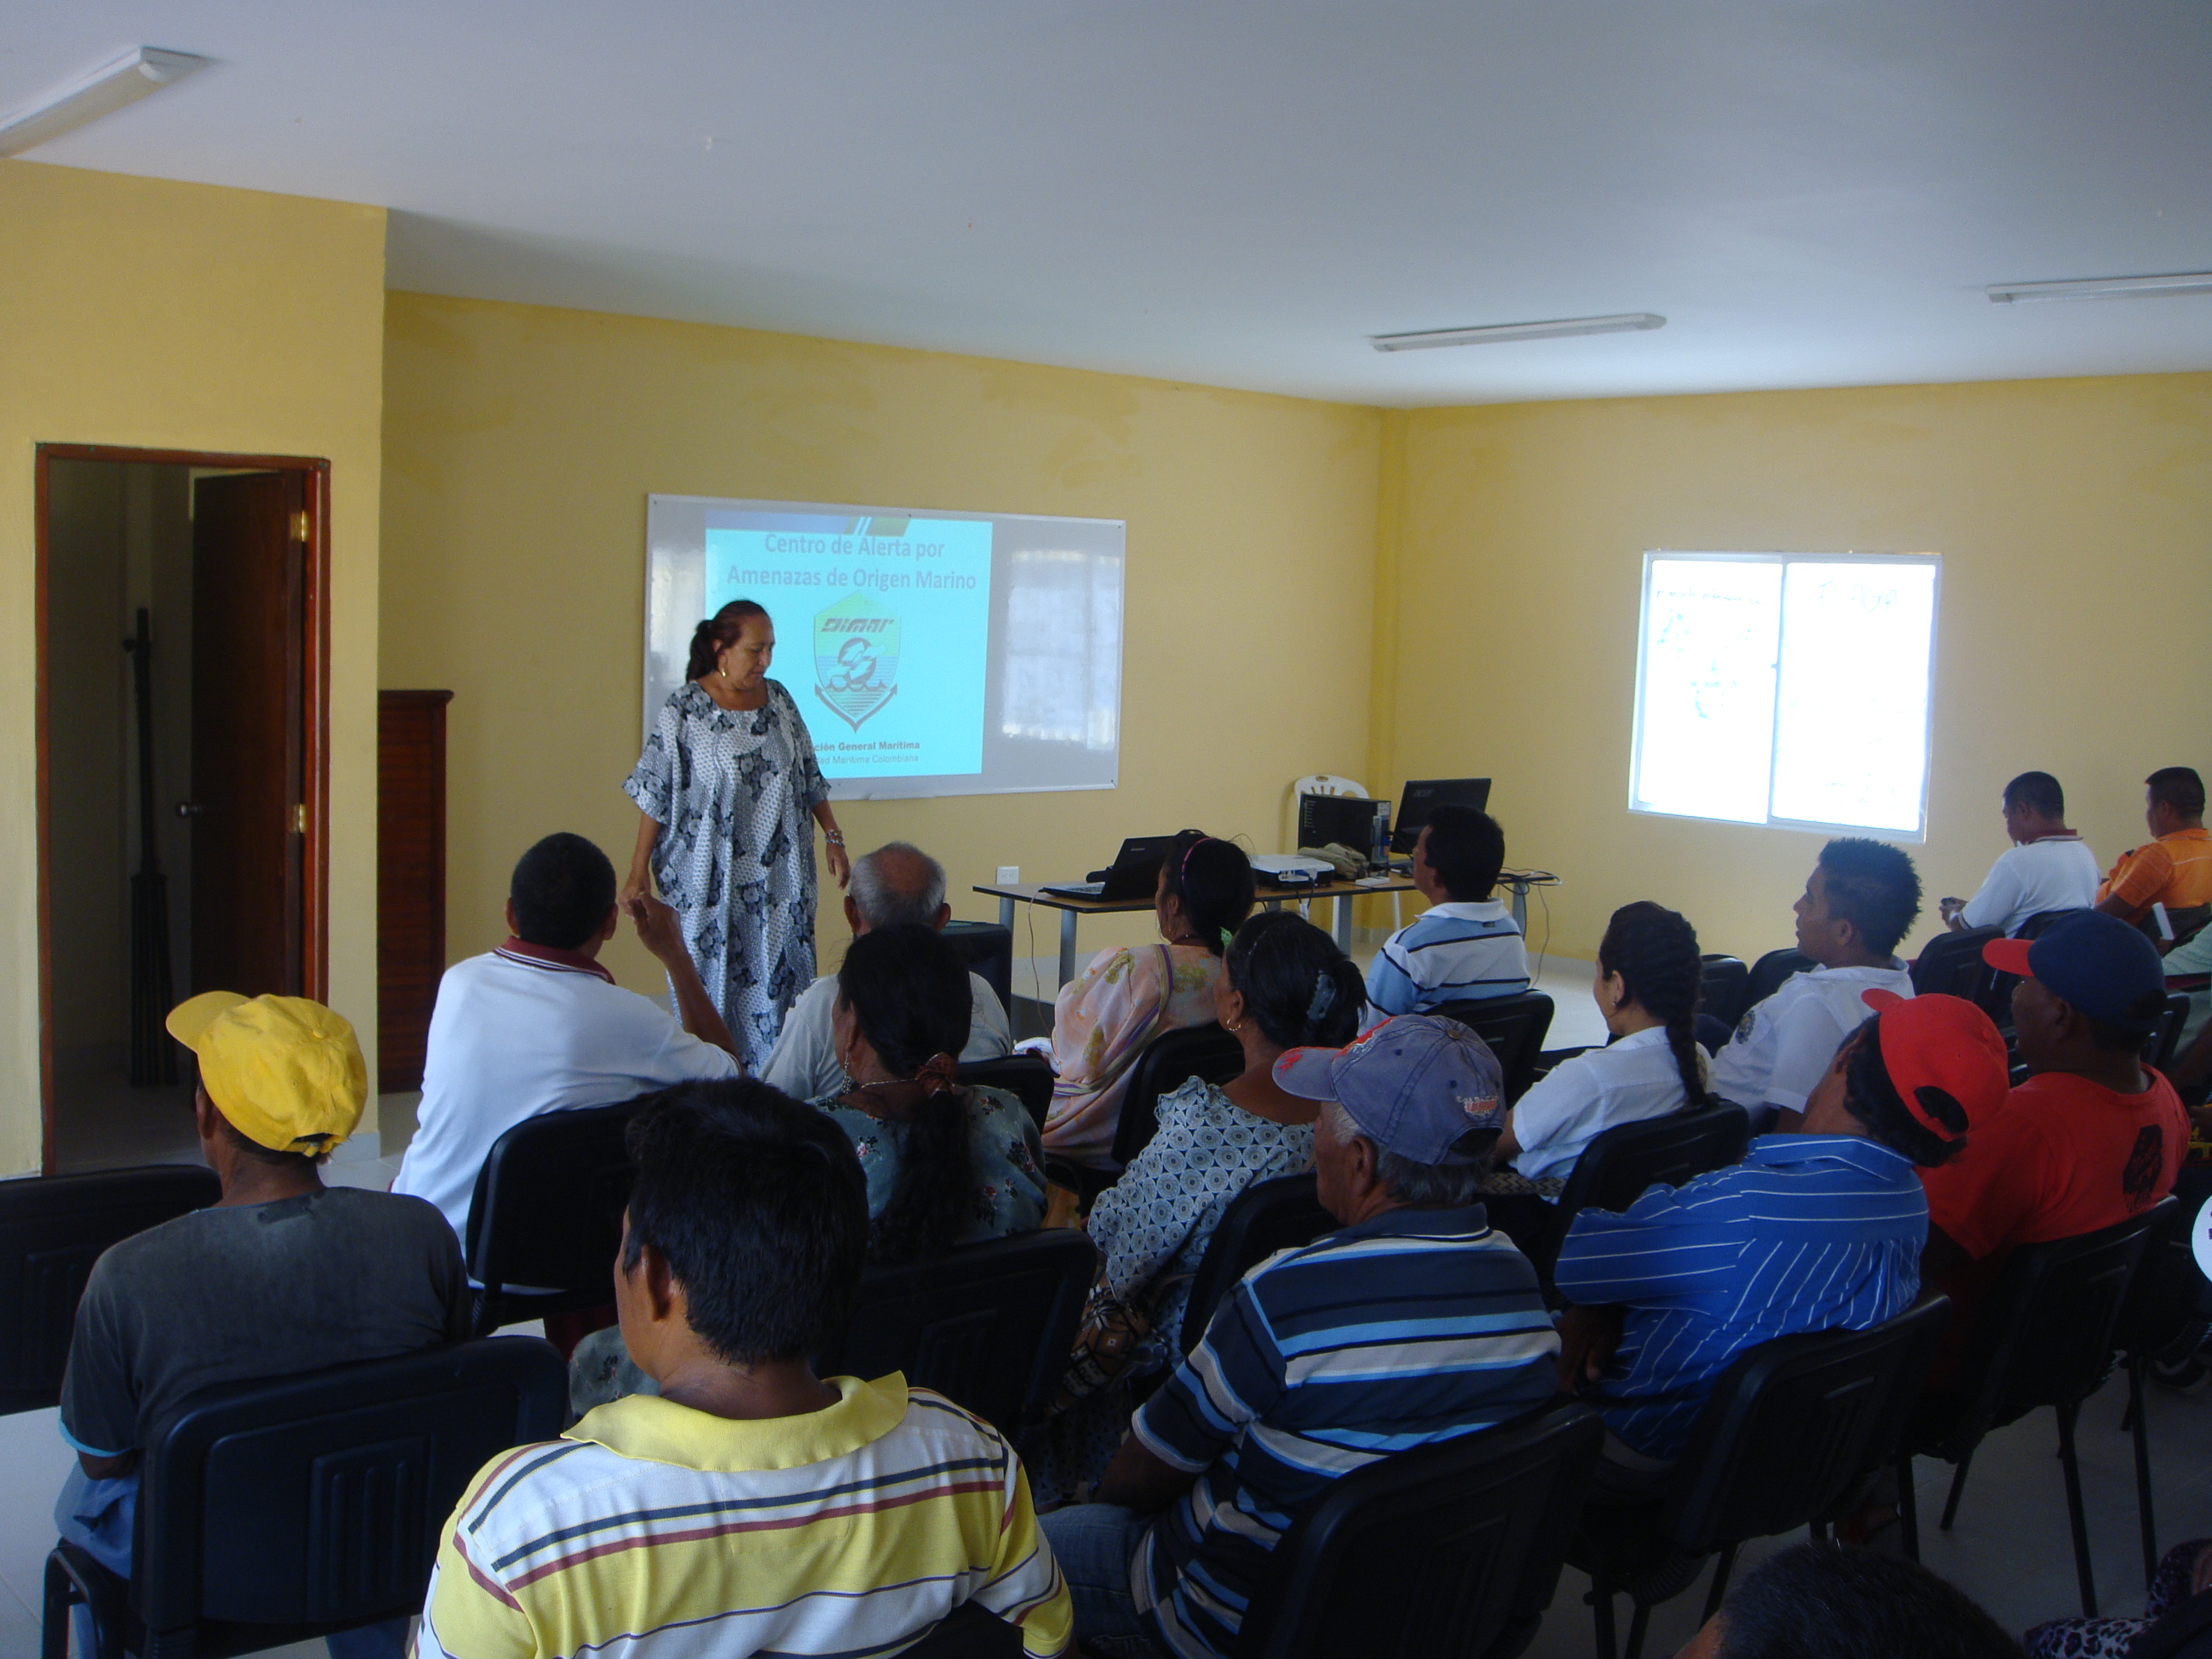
pixel 1414 1322
pixel 1465 946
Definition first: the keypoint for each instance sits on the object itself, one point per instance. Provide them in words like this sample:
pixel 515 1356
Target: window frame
pixel 1918 834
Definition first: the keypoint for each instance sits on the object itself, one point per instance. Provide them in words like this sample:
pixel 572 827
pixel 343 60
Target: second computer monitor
pixel 1423 795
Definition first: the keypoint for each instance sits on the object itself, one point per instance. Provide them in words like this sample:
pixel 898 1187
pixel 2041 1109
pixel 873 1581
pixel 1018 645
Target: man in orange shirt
pixel 2176 869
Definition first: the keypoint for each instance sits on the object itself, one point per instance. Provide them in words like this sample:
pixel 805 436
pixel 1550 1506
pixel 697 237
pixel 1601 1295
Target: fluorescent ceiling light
pixel 2102 288
pixel 129 78
pixel 1621 324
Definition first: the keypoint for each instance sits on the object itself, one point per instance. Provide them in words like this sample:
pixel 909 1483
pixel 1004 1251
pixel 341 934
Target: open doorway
pixel 182 698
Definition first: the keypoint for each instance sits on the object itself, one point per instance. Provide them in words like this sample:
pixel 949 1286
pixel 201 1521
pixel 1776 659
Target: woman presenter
pixel 724 788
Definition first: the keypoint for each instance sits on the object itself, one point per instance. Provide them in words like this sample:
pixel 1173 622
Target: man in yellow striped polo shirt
pixel 751 1506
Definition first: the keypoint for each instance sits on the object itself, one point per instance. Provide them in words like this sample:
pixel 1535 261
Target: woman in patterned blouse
pixel 725 789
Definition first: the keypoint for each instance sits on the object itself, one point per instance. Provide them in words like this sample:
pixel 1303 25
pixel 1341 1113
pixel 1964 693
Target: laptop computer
pixel 1134 873
pixel 1423 795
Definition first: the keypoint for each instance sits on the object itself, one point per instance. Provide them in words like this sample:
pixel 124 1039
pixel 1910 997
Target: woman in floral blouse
pixel 1129 995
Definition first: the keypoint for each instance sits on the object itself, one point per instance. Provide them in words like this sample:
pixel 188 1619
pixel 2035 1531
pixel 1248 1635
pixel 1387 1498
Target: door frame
pixel 315 724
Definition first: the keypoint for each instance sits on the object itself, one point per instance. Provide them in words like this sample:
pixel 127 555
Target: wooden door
pixel 249 615
pixel 410 879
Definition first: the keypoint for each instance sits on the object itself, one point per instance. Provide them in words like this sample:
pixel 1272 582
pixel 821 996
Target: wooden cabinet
pixel 410 879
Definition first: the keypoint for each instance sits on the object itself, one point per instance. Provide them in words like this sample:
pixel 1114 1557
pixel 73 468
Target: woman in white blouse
pixel 1648 977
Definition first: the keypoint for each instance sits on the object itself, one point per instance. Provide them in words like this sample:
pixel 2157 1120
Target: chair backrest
pixel 1026 1077
pixel 1951 964
pixel 1792 1424
pixel 1170 1060
pixel 988 950
pixel 549 1202
pixel 1514 1027
pixel 2187 920
pixel 1267 1216
pixel 2165 1036
pixel 2045 1335
pixel 52 1230
pixel 317 1499
pixel 1439 1549
pixel 2168 1311
pixel 1771 969
pixel 1619 1163
pixel 987 1326
pixel 1724 989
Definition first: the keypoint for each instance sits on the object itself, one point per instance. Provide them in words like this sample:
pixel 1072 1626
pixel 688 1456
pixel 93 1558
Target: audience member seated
pixel 1465 946
pixel 751 1507
pixel 897 885
pixel 1818 1601
pixel 2182 1577
pixel 283 1275
pixel 2094 1136
pixel 539 1026
pixel 1648 975
pixel 1814 1231
pixel 947 1165
pixel 1859 901
pixel 2048 867
pixel 1129 994
pixel 2174 868
pixel 1289 1389
pixel 1284 984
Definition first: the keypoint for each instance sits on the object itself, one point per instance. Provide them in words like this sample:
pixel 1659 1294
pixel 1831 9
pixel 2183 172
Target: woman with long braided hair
pixel 1646 987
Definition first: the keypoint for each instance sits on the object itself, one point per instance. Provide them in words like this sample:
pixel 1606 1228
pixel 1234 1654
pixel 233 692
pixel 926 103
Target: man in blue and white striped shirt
pixel 1414 1323
pixel 1465 946
pixel 1812 1231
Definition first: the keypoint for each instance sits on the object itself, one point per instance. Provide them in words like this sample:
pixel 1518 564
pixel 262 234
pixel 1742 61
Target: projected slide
pixel 883 630
pixel 932 652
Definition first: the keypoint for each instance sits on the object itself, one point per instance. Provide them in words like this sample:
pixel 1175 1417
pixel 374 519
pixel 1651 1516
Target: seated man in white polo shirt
pixel 539 1026
pixel 2047 867
pixel 1859 901
pixel 895 885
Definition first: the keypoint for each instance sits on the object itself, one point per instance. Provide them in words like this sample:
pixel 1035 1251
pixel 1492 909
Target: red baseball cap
pixel 1945 1043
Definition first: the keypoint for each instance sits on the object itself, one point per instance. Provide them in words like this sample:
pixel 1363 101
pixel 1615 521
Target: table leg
pixel 1066 945
pixel 1006 914
pixel 1343 918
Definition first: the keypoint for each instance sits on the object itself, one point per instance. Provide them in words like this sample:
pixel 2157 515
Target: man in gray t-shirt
pixel 281 1275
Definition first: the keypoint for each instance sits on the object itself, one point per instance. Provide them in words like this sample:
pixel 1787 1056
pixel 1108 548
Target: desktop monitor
pixel 1425 795
pixel 1347 820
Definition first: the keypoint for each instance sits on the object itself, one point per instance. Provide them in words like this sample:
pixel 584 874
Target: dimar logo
pixel 856 655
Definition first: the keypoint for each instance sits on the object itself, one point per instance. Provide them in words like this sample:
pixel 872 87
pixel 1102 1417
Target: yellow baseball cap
pixel 286 1073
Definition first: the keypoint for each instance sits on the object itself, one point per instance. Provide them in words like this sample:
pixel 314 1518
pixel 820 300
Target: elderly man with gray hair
pixel 897 884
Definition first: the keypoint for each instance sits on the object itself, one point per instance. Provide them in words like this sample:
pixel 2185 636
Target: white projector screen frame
pixel 1051 651
pixel 1757 686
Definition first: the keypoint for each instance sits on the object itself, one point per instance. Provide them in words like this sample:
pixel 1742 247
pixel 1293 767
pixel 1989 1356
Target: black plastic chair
pixel 1266 1217
pixel 1791 1433
pixel 988 950
pixel 2165 1036
pixel 1452 1548
pixel 52 1230
pixel 1724 989
pixel 1024 1075
pixel 1771 969
pixel 987 1326
pixel 968 1632
pixel 548 1215
pixel 277 1511
pixel 1170 1060
pixel 2044 1338
pixel 2187 920
pixel 1514 1027
pixel 1951 964
pixel 1619 1164
pixel 2166 1319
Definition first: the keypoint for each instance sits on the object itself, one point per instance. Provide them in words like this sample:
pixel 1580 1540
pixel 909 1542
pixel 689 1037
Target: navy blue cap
pixel 2095 961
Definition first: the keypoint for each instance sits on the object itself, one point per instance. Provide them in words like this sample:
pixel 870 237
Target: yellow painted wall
pixel 520 444
pixel 160 315
pixel 2075 520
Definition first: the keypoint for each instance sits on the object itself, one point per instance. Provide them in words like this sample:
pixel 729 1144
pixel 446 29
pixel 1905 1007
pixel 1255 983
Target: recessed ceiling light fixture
pixel 1623 323
pixel 2102 288
pixel 139 72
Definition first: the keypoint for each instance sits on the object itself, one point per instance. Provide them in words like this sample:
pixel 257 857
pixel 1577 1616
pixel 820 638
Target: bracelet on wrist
pixel 835 837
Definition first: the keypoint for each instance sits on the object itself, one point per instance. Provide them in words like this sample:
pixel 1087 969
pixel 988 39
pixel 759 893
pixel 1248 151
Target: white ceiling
pixel 1233 192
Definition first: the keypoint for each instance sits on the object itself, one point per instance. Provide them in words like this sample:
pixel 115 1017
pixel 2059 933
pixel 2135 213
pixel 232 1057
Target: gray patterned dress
pixel 734 792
